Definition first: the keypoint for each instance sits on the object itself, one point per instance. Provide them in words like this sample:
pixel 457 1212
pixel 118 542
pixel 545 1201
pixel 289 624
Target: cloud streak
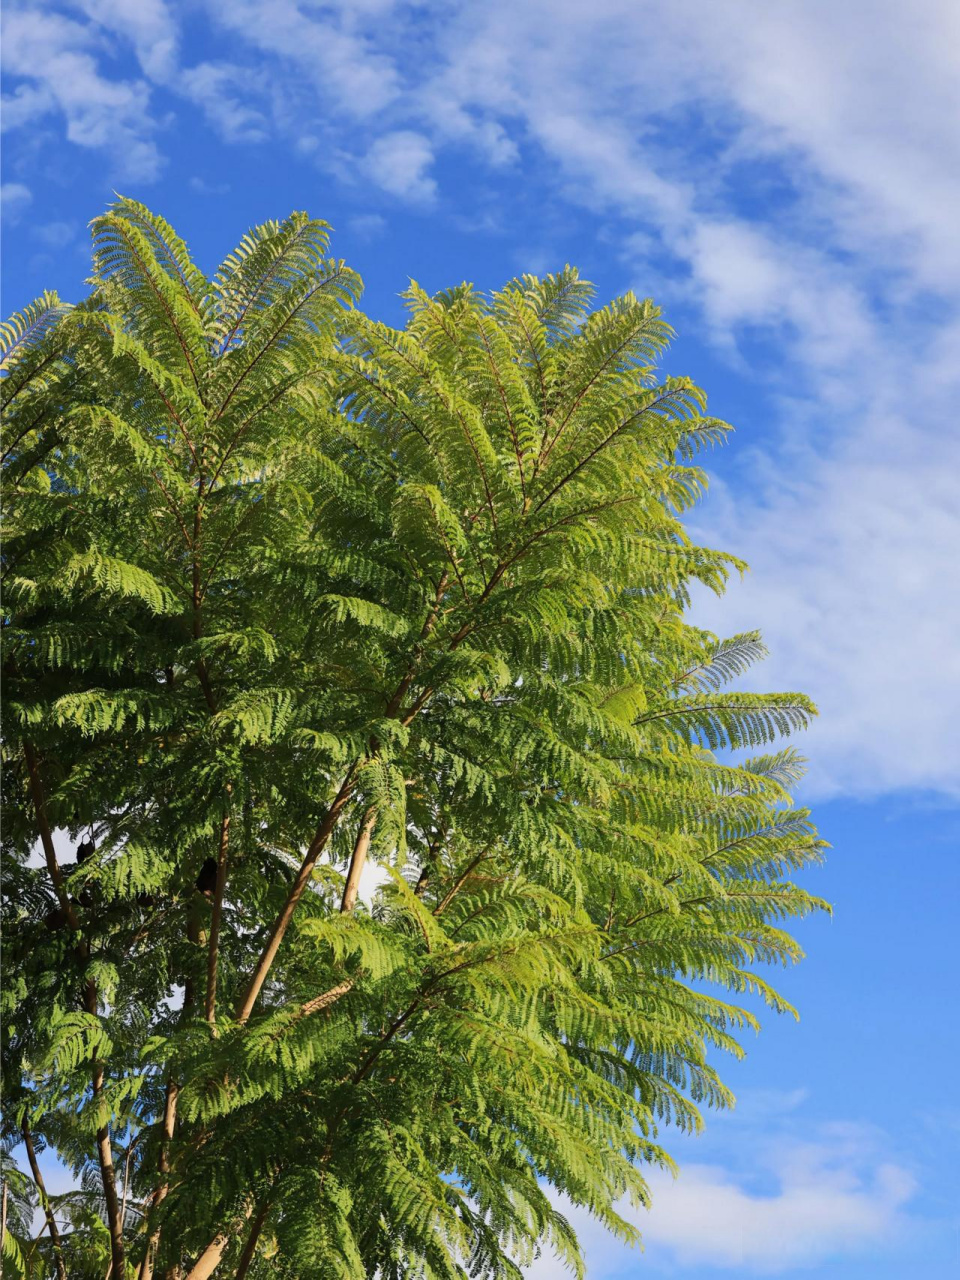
pixel 789 1204
pixel 826 1204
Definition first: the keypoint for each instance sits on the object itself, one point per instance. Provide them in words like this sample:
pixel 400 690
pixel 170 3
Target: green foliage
pixel 303 592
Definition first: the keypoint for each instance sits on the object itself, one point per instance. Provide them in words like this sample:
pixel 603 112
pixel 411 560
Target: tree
pixel 294 597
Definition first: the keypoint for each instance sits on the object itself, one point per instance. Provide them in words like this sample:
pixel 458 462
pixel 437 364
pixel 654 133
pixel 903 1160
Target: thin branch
pixel 163 1168
pixel 506 409
pixel 317 845
pixel 90 1004
pixel 213 949
pixel 358 860
pixel 163 303
pixel 325 999
pixel 44 1201
pixel 272 340
pixel 250 1248
pixel 461 881
pixel 600 447
pixel 544 456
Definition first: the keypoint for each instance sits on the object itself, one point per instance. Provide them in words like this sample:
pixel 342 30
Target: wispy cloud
pixel 367 226
pixel 789 1203
pixel 224 93
pixel 14 198
pixel 54 235
pixel 829 1199
pixel 151 26
pixel 58 58
pixel 399 162
pixel 340 51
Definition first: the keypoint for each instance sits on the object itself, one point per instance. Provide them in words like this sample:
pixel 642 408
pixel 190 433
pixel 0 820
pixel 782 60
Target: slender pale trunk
pixel 317 845
pixel 357 862
pixel 250 1248
pixel 109 1179
pixel 126 1183
pixel 327 826
pixel 163 1168
pixel 44 1201
pixel 90 1004
pixel 209 1260
pixel 213 948
pixel 123 1198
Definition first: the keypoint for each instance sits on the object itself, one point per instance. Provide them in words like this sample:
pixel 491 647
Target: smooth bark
pixel 317 845
pixel 44 1201
pixel 90 1004
pixel 250 1247
pixel 214 943
pixel 163 1168
pixel 358 860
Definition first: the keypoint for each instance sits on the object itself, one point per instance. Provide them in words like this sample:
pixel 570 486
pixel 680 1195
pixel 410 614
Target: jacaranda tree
pixel 407 891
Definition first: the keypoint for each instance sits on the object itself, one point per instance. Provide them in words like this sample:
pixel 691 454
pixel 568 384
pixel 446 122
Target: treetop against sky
pixel 784 183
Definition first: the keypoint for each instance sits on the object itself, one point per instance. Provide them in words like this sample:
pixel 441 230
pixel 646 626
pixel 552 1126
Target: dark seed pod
pixel 58 917
pixel 55 919
pixel 206 881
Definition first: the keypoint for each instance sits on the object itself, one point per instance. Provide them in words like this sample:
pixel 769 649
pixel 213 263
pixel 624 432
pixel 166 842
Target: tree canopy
pixel 414 884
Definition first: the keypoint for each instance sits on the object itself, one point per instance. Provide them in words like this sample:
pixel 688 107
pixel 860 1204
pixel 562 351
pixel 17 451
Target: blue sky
pixel 785 180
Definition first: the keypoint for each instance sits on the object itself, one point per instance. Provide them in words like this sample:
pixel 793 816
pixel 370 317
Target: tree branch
pixel 44 1201
pixel 358 860
pixel 214 943
pixel 90 1004
pixel 317 845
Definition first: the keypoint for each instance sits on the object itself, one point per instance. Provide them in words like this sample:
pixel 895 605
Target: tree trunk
pixel 163 1165
pixel 44 1200
pixel 213 949
pixel 109 1179
pixel 250 1248
pixel 209 1260
pixel 358 860
pixel 267 957
pixel 90 1002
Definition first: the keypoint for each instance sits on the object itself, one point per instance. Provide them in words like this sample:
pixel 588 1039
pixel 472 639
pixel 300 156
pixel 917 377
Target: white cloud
pixel 367 226
pixel 399 163
pixel 790 1203
pixel 851 560
pixel 55 235
pixel 826 1205
pixel 57 55
pixel 224 93
pixel 839 84
pixel 204 187
pixel 343 66
pixel 14 198
pixel 150 25
pixel 24 106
